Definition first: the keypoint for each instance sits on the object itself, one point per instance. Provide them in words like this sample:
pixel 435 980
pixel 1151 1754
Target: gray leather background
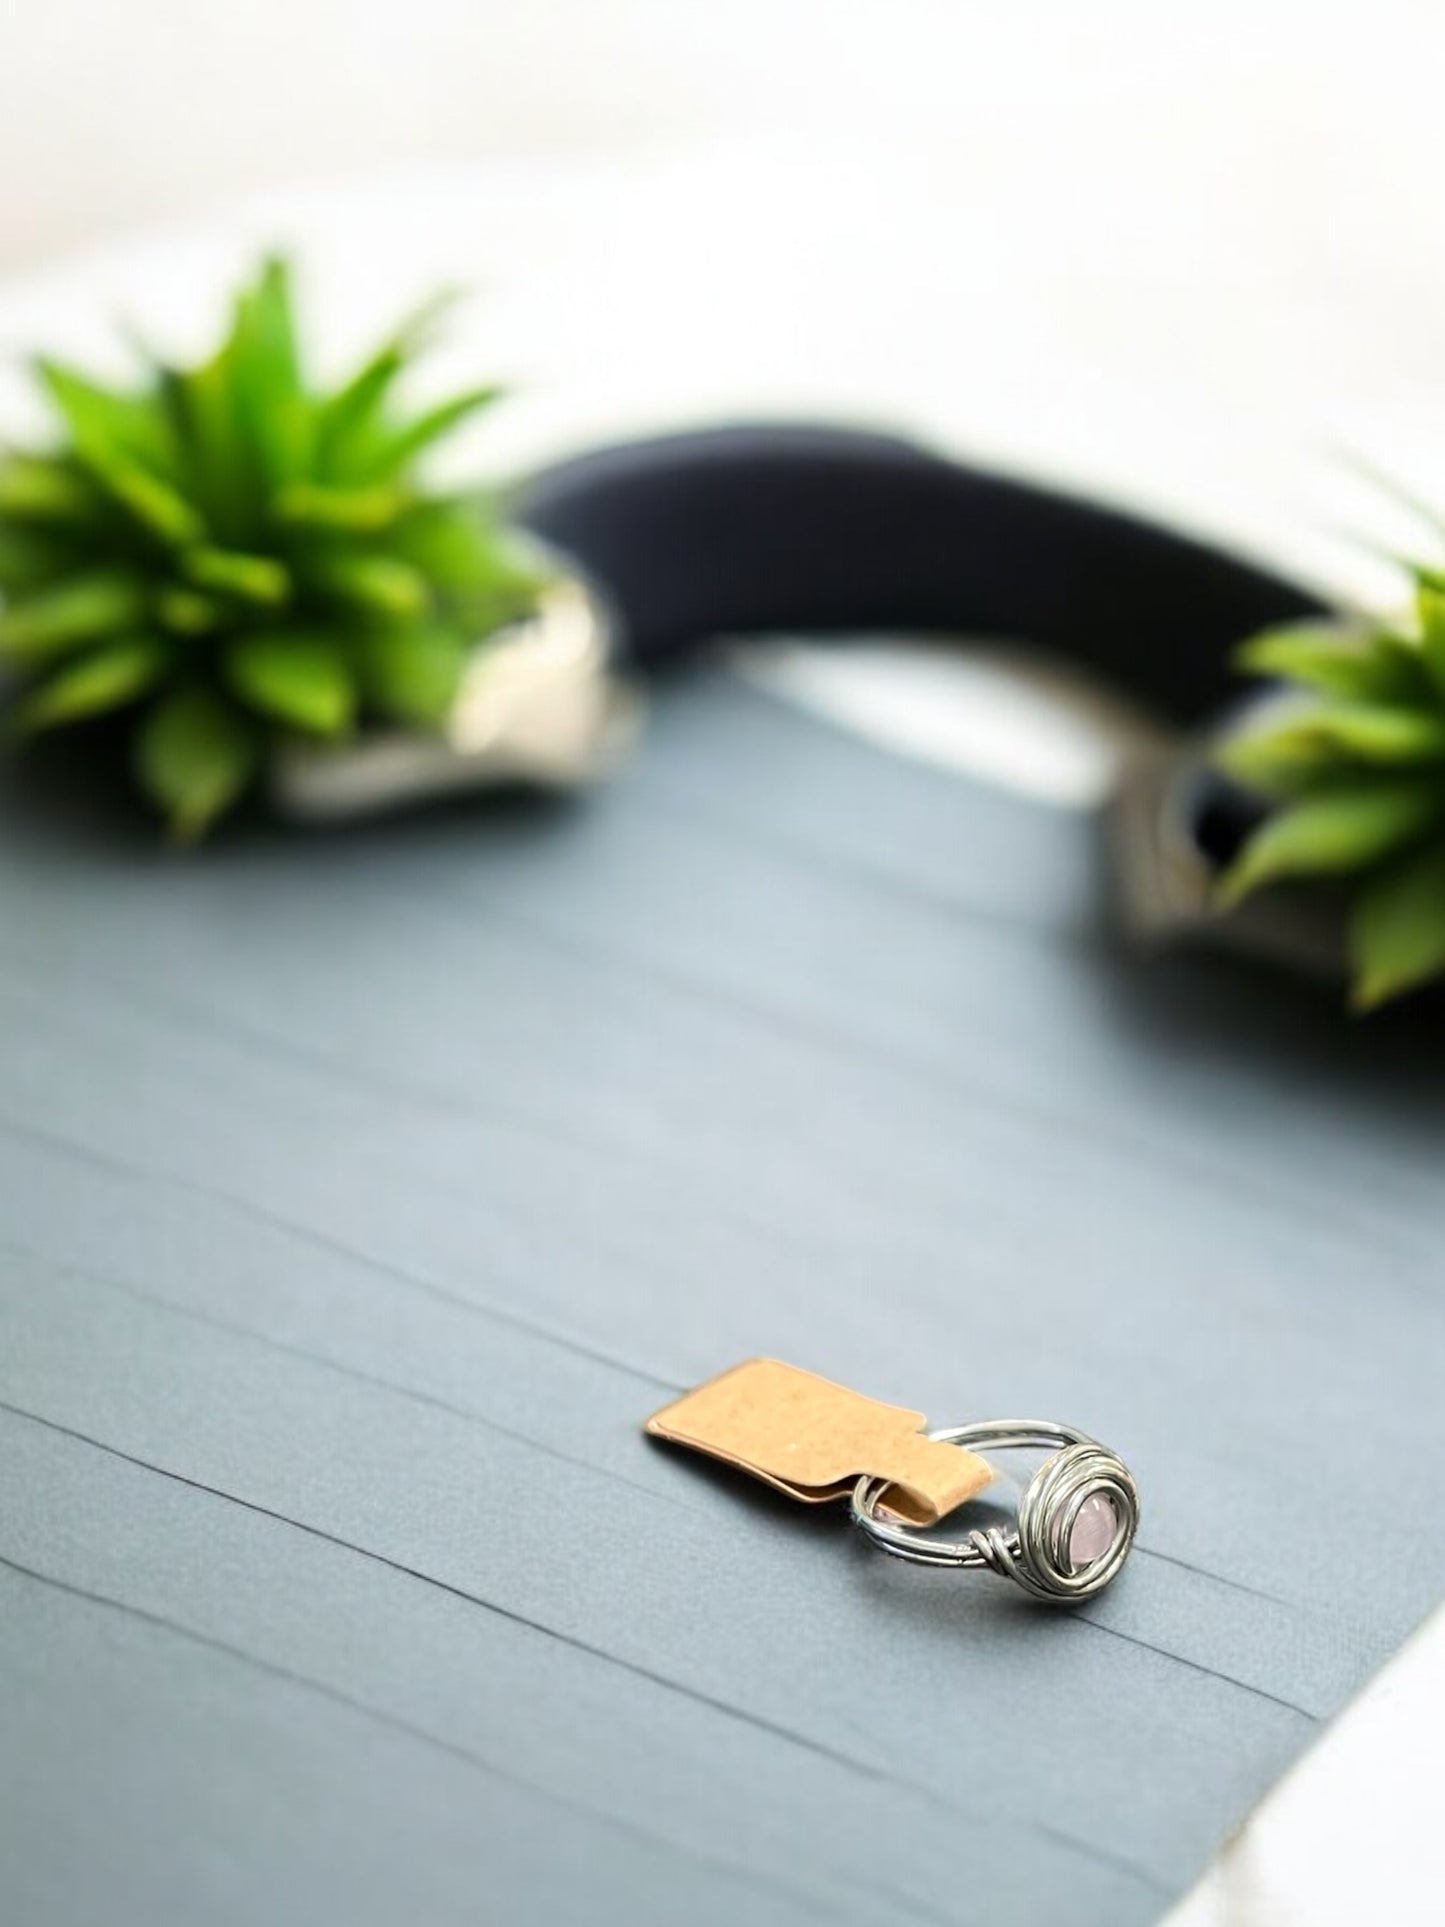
pixel 360 1196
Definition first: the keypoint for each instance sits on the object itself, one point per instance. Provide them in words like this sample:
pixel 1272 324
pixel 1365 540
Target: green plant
pixel 1352 756
pixel 232 554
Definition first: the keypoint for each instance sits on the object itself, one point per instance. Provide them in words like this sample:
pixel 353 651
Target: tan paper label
pixel 813 1440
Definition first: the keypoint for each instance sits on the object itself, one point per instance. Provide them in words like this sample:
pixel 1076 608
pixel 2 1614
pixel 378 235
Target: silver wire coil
pixel 1036 1554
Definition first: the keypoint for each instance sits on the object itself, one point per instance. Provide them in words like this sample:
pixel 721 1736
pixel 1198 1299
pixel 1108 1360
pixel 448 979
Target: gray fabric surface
pixel 360 1196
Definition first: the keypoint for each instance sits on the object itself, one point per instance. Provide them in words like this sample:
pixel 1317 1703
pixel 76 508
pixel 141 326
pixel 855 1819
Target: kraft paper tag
pixel 813 1440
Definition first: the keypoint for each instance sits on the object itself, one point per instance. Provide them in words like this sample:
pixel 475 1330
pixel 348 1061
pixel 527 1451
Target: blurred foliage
pixel 228 552
pixel 1353 759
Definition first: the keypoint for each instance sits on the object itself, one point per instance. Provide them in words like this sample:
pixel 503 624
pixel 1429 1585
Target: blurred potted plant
pixel 1348 752
pixel 252 575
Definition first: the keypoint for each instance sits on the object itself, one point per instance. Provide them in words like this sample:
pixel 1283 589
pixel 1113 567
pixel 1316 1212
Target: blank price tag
pixel 813 1440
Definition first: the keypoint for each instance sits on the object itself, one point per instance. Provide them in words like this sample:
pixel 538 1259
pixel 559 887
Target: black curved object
pixel 754 529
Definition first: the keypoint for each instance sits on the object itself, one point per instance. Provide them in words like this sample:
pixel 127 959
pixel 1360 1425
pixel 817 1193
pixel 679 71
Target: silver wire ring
pixel 1064 1548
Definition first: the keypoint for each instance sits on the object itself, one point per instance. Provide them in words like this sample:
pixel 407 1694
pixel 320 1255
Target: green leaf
pixel 411 675
pixel 266 323
pixel 125 443
pixel 1334 832
pixel 105 422
pixel 378 586
pixel 300 679
pixel 1397 928
pixel 395 451
pixel 1329 742
pixel 265 365
pixel 448 542
pixel 1430 611
pixel 186 612
pixel 259 580
pixel 483 576
pixel 215 453
pixel 33 559
pixel 1367 666
pixel 194 756
pixel 242 421
pixel 462 550
pixel 349 420
pixel 1373 733
pixel 343 420
pixel 160 509
pixel 106 679
pixel 1430 603
pixel 36 489
pixel 1284 758
pixel 346 511
pixel 80 609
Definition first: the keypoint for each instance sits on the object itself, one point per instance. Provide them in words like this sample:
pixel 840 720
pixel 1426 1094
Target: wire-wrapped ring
pixel 1076 1520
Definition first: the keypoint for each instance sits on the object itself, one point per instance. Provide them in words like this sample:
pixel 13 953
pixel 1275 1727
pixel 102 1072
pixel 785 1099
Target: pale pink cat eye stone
pixel 1093 1530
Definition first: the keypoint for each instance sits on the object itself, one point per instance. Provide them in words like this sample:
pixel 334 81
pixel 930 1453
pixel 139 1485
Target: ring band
pixel 1076 1519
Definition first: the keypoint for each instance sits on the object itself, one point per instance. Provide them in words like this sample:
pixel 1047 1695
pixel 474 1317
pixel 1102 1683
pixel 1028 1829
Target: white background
pixel 1182 251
